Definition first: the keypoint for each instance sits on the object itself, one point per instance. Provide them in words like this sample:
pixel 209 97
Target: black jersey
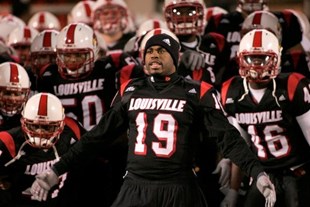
pixel 229 25
pixel 275 136
pixel 120 45
pixel 21 171
pixel 295 61
pixel 89 98
pixel 291 29
pixel 8 122
pixel 215 51
pixel 163 118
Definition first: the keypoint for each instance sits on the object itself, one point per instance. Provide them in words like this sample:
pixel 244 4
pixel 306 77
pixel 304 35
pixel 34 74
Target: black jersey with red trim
pixel 276 138
pixel 295 61
pixel 163 118
pixel 215 51
pixel 21 172
pixel 89 98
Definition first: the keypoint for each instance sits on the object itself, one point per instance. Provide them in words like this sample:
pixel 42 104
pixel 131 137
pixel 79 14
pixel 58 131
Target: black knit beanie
pixel 167 42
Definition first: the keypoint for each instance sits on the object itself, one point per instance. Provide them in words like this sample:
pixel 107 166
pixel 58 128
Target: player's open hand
pixel 266 187
pixel 43 183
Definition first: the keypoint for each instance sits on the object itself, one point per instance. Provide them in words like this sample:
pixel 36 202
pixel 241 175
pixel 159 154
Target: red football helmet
pixel 14 88
pixel 7 24
pixel 110 16
pixel 43 50
pixel 43 120
pixel 44 20
pixel 21 39
pixel 259 56
pixel 185 17
pixel 77 50
pixel 262 20
pixel 82 12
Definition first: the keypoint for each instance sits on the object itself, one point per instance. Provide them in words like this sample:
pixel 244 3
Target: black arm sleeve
pixel 230 142
pixel 99 138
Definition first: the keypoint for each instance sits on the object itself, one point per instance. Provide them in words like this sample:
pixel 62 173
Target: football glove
pixel 43 183
pixel 266 187
pixel 192 60
pixel 230 199
pixel 224 169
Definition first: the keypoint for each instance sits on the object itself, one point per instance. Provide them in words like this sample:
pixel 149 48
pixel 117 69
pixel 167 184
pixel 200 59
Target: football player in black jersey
pixel 86 85
pixel 112 22
pixel 203 57
pixel 14 92
pixel 43 136
pixel 229 25
pixel 164 113
pixel 292 60
pixel 271 110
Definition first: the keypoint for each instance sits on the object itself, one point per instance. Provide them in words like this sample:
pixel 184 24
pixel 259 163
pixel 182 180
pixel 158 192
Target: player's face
pixel 41 60
pixel 158 61
pixel 74 61
pixel 110 17
pixel 23 52
pixel 11 100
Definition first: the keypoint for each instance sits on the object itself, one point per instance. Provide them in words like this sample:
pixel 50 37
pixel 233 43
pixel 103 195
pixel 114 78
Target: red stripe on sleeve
pixel 125 73
pixel 8 141
pixel 116 58
pixel 292 83
pixel 220 40
pixel 73 126
pixel 224 90
pixel 197 75
pixel 204 87
pixel 123 86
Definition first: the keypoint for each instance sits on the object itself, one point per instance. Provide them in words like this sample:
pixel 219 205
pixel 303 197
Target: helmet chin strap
pixel 246 89
pixel 21 153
